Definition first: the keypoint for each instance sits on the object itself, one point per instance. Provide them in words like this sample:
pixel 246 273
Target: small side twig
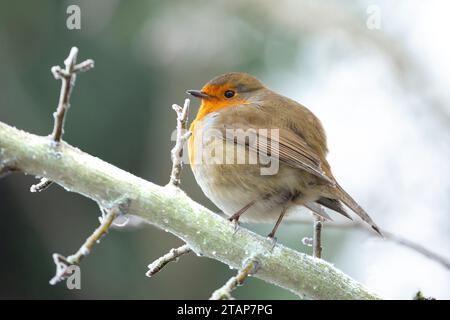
pixel 317 238
pixel 41 185
pixel 175 180
pixel 415 246
pixel 182 136
pixel 390 236
pixel 63 263
pixel 161 262
pixel 251 266
pixel 67 77
pixel 418 248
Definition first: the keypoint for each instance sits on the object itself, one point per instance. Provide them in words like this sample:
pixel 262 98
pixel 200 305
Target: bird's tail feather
pixel 355 207
pixel 317 209
pixel 334 205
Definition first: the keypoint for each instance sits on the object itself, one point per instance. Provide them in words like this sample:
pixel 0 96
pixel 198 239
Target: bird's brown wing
pixel 273 141
pixel 293 149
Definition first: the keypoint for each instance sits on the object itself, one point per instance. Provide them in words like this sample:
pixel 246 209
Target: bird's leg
pixel 235 217
pixel 271 235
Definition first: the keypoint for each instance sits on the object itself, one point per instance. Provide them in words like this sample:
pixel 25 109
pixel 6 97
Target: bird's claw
pixel 273 240
pixel 235 223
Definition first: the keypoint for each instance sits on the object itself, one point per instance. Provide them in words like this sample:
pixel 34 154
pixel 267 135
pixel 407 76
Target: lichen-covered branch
pixel 171 209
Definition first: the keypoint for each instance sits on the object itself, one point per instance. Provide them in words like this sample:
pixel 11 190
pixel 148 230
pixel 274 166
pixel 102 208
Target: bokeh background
pixel 381 93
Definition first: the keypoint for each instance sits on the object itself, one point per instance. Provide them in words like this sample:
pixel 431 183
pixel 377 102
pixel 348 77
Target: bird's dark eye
pixel 229 94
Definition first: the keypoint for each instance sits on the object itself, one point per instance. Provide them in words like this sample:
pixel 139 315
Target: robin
pixel 276 130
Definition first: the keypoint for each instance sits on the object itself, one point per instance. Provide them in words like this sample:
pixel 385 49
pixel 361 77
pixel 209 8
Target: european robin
pixel 275 129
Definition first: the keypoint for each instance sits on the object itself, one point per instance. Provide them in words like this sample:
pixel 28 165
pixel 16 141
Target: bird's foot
pixel 235 222
pixel 271 237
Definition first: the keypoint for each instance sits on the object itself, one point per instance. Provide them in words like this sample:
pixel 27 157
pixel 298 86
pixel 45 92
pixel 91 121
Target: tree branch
pixel 170 209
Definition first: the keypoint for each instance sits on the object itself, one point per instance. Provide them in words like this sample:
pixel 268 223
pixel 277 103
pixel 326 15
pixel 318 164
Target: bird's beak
pixel 197 94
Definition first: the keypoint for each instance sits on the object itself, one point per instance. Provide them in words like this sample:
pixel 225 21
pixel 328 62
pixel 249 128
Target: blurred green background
pixel 147 53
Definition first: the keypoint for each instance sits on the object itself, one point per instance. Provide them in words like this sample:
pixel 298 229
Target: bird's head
pixel 229 89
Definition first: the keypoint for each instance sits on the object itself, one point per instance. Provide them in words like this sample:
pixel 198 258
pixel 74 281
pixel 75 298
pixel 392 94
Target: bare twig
pixel 84 66
pixel 417 247
pixel 41 185
pixel 317 239
pixel 67 76
pixel 63 263
pixel 182 136
pixel 62 269
pixel 172 255
pixel 175 180
pixel 251 266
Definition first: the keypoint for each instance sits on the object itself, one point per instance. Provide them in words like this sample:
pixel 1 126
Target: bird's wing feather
pixel 292 148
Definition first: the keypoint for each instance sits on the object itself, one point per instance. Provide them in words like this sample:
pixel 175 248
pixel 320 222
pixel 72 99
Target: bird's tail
pixel 343 196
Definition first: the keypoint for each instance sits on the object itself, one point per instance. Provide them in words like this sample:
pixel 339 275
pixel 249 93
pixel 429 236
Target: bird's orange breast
pixel 191 143
pixel 207 107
